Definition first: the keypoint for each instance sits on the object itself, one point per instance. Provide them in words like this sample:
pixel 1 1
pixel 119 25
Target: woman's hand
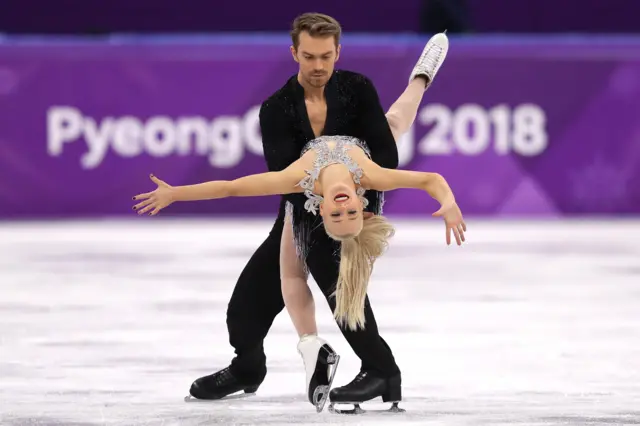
pixel 157 200
pixel 452 216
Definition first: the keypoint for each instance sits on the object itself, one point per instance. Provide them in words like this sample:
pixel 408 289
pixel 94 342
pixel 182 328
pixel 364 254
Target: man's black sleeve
pixel 373 126
pixel 278 141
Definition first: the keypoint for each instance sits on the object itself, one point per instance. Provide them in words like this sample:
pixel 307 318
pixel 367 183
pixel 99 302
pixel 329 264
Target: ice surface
pixel 530 323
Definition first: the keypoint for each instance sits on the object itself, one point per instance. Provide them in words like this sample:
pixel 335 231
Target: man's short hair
pixel 317 25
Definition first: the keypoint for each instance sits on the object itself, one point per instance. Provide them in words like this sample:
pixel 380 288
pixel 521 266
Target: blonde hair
pixel 358 254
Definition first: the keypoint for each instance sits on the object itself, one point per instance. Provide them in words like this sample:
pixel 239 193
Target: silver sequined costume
pixel 325 156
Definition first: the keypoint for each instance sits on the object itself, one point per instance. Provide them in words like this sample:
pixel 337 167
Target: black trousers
pixel 257 300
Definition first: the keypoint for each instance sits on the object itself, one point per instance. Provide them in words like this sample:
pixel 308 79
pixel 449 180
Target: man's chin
pixel 317 82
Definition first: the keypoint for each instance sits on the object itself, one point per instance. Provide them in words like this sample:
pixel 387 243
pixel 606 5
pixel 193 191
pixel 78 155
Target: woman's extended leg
pixel 317 354
pixel 293 280
pixel 404 110
pixel 402 113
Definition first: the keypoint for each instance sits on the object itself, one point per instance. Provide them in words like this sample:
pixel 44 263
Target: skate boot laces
pixel 430 59
pixel 223 376
pixel 360 377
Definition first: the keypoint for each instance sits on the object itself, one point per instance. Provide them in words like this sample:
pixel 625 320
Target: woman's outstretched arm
pixel 270 183
pixel 434 184
pixel 262 184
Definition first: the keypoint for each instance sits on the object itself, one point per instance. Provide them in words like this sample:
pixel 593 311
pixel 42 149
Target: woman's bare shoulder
pixel 370 170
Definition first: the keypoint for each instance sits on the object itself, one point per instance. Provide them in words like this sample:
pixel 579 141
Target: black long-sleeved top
pixel 353 109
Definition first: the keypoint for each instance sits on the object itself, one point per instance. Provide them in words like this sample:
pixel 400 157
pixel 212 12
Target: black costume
pixel 353 109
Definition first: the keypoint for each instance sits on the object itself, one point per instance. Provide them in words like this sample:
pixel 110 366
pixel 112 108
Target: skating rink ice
pixel 529 323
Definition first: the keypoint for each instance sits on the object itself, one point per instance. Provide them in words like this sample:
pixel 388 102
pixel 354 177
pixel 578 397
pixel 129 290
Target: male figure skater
pixel 317 101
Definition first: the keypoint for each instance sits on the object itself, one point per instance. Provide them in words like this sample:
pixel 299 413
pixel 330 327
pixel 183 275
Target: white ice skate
pixel 318 357
pixel 432 57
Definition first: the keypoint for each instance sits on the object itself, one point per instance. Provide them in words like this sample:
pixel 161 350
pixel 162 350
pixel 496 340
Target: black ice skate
pixel 219 385
pixel 365 387
pixel 318 357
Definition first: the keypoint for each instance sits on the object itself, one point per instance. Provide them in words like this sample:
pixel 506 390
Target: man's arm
pixel 278 141
pixel 373 126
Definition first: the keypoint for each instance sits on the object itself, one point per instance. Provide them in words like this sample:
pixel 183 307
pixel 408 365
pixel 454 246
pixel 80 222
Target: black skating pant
pixel 257 300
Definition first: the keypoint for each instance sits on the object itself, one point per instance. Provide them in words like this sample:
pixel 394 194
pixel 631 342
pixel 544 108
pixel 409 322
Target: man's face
pixel 317 57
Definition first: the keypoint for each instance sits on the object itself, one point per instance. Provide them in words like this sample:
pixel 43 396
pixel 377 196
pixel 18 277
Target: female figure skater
pixel 333 172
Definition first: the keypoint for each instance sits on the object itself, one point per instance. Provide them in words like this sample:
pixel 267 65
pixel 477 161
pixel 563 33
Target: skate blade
pixel 334 360
pixel 357 410
pixel 190 398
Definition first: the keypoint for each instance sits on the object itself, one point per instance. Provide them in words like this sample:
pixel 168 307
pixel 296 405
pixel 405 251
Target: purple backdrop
pixel 523 16
pixel 527 127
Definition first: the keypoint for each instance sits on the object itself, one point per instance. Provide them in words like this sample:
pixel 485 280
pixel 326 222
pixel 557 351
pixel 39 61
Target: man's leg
pixel 380 375
pixel 256 301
